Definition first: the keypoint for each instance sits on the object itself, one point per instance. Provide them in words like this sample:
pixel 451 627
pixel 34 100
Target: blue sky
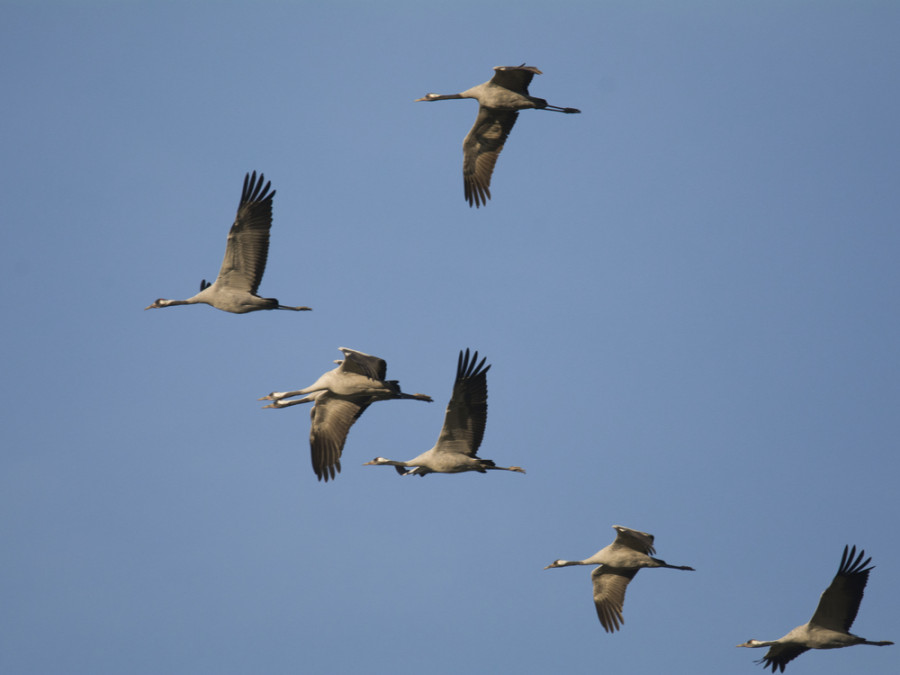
pixel 688 294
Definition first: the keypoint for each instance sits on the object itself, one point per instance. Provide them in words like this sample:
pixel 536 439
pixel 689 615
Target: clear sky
pixel 689 295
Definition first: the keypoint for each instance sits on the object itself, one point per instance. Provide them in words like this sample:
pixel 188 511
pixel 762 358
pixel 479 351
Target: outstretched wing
pixel 481 148
pixel 466 413
pixel 330 420
pixel 840 602
pixel 779 655
pixel 634 539
pixel 609 595
pixel 248 240
pixel 515 78
pixel 363 364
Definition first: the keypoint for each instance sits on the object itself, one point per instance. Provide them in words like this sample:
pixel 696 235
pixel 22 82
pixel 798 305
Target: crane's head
pixel 753 643
pixel 441 97
pixel 159 302
pixel 378 461
pixel 558 563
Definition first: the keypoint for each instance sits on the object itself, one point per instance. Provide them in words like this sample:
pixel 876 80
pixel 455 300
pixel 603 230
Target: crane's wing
pixel 467 411
pixel 248 240
pixel 634 539
pixel 363 364
pixel 609 595
pixel 330 420
pixel 840 602
pixel 481 148
pixel 779 655
pixel 515 78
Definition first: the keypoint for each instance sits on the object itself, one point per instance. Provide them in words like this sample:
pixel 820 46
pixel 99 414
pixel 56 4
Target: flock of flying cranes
pixel 341 395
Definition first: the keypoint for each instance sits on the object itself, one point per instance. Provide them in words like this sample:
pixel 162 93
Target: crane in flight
pixel 457 445
pixel 499 101
pixel 234 290
pixel 617 564
pixel 829 627
pixel 339 397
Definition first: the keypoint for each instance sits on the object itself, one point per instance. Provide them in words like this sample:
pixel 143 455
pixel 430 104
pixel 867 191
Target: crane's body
pixel 617 564
pixel 464 421
pixel 829 627
pixel 499 100
pixel 246 251
pixel 339 398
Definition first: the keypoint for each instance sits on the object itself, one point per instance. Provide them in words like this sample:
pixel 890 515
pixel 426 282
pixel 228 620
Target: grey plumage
pixel 829 627
pixel 617 564
pixel 464 421
pixel 246 251
pixel 499 100
pixel 339 397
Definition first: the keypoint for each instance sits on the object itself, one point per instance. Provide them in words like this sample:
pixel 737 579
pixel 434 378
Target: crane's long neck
pixel 759 643
pixel 162 302
pixel 568 563
pixel 399 466
pixel 280 403
pixel 382 461
pixel 442 97
pixel 278 395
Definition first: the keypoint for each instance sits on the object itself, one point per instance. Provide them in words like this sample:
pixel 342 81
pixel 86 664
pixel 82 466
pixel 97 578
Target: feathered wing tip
pixel 475 193
pixel 327 472
pixel 253 189
pixel 610 618
pixel 769 662
pixel 204 284
pixel 851 566
pixel 466 368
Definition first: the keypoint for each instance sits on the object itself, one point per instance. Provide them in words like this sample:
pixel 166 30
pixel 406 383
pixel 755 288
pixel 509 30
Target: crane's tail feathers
pixel 556 108
pixel 417 397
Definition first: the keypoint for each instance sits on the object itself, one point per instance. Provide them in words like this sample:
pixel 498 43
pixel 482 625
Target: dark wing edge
pixel 839 603
pixel 515 78
pixel 779 656
pixel 635 540
pixel 609 596
pixel 373 367
pixel 247 248
pixel 466 414
pixel 481 148
pixel 330 422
